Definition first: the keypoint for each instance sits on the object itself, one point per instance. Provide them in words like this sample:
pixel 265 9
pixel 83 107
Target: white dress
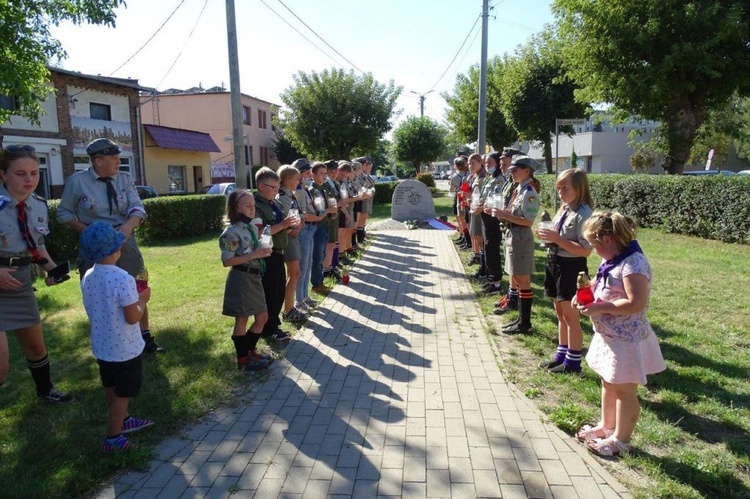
pixel 624 348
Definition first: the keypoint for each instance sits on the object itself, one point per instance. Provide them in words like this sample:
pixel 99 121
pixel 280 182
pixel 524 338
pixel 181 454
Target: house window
pixel 248 159
pixel 264 156
pixel 262 119
pixel 42 189
pixel 125 165
pixel 246 115
pixel 8 103
pixel 81 163
pixel 100 111
pixel 176 178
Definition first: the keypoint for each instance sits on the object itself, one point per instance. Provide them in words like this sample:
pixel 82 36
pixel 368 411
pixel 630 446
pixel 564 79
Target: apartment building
pixel 209 110
pixel 78 109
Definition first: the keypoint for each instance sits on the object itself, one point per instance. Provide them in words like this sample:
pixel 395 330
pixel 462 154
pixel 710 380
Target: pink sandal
pixel 588 433
pixel 609 447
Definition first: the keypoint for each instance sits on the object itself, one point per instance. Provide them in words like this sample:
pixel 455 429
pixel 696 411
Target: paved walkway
pixel 394 390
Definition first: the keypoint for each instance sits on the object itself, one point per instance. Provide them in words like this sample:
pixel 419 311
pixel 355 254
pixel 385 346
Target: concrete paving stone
pixel 458 447
pixel 518 437
pixel 414 490
pixel 169 448
pixel 438 483
pixel 395 434
pixel 485 396
pixel 472 418
pixel 224 450
pixel 574 464
pixel 200 429
pixel 222 487
pixel 536 485
pixel 507 471
pixel 296 481
pixel 463 491
pixel 414 468
pixel 435 418
pixel 415 445
pixel 342 481
pixel 555 472
pixel 317 489
pixel 513 491
pixel 265 452
pixel 349 457
pixel 477 437
pixel 390 482
pixel 133 478
pixel 455 427
pixel 481 458
pixel 460 469
pixel 174 488
pixel 393 456
pixel 206 475
pixel 161 475
pixel 194 462
pixel 416 425
pixel 486 483
pixel 279 467
pixel 543 448
pixel 236 464
pixel 453 411
pixel 194 493
pixel 269 487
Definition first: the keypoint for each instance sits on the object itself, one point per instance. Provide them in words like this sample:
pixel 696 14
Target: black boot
pixel 524 315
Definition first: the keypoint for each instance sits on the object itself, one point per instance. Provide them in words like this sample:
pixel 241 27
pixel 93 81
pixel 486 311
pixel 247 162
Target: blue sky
pixel 411 42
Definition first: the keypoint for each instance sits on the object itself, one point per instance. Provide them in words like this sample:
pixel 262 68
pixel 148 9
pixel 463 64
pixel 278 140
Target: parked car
pixel 374 178
pixel 146 192
pixel 743 172
pixel 389 178
pixel 225 188
pixel 446 175
pixel 709 172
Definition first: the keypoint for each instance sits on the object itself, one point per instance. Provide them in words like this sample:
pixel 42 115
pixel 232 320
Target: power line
pixel 516 25
pixel 184 45
pixel 321 38
pixel 149 40
pixel 457 52
pixel 466 52
pixel 299 32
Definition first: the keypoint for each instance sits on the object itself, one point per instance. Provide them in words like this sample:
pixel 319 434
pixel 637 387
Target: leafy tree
pixel 463 107
pixel 283 149
pixel 662 60
pixel 333 113
pixel 27 46
pixel 418 140
pixel 381 157
pixel 536 91
pixel 726 127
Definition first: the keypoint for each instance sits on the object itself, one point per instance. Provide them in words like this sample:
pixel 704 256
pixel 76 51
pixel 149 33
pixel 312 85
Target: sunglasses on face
pixel 15 149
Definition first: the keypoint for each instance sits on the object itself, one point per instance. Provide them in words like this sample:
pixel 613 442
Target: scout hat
pixel 523 161
pixel 301 165
pixel 99 240
pixel 103 147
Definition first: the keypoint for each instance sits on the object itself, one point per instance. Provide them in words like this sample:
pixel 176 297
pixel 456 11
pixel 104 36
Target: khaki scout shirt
pixel 237 240
pixel 525 204
pixel 265 210
pixel 85 199
pixel 37 219
pixel 572 227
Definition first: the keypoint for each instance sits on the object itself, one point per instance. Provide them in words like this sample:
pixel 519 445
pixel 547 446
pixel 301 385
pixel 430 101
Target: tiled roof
pixel 187 140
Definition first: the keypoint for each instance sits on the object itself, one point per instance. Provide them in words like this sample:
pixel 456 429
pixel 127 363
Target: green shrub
pixel 169 218
pixel 711 207
pixel 427 179
pixel 384 192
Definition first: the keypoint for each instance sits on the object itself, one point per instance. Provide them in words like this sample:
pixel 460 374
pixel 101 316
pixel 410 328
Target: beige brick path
pixel 394 390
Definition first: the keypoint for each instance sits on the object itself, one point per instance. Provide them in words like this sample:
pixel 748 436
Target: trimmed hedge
pixel 169 218
pixel 384 192
pixel 711 207
pixel 427 179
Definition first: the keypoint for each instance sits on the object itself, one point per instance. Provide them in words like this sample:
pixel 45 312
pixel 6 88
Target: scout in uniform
pixel 243 292
pixel 102 193
pixel 519 215
pixel 321 189
pixel 367 183
pixel 567 251
pixel 492 229
pixel 23 227
pixel 274 277
pixel 331 187
pixel 289 178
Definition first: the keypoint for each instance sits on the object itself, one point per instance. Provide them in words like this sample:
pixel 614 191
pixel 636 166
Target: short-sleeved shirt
pixel 85 199
pixel 304 196
pixel 107 289
pixel 572 227
pixel 237 240
pixel 525 204
pixel 287 200
pixel 271 213
pixel 37 219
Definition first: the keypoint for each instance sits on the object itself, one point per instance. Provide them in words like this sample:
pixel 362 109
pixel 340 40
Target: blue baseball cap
pixel 99 240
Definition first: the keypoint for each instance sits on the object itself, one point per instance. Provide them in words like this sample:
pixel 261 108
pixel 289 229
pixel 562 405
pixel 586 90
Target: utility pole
pixel 421 101
pixel 235 97
pixel 482 126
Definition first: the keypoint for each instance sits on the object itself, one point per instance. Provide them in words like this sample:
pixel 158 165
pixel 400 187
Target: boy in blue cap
pixel 114 307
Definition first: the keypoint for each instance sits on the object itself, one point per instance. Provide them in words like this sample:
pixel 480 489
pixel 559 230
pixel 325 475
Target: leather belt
pixel 16 261
pixel 247 268
pixel 278 251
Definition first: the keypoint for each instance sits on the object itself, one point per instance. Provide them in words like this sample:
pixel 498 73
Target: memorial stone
pixel 412 200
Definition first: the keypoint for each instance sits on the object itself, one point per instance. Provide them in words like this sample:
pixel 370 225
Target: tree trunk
pixel 681 127
pixel 548 155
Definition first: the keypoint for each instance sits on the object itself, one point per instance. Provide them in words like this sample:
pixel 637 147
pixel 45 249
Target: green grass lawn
pixel 692 437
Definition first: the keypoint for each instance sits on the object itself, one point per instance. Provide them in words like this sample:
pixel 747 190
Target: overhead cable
pixel 184 45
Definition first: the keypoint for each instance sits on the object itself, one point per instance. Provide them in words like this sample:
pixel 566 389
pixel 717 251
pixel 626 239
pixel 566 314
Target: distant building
pixel 600 147
pixel 209 111
pixel 78 109
pixel 178 161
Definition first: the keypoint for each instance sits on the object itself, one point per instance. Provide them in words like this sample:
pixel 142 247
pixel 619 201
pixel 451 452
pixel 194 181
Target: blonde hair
pixel 286 172
pixel 621 228
pixel 580 183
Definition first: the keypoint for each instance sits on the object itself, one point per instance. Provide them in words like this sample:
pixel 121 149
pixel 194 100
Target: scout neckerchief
pixel 605 268
pixel 254 243
pixel 111 192
pixel 23 225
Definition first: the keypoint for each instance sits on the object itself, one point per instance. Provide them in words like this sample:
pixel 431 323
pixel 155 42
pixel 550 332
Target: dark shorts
pixel 357 206
pixel 125 377
pixel 561 275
